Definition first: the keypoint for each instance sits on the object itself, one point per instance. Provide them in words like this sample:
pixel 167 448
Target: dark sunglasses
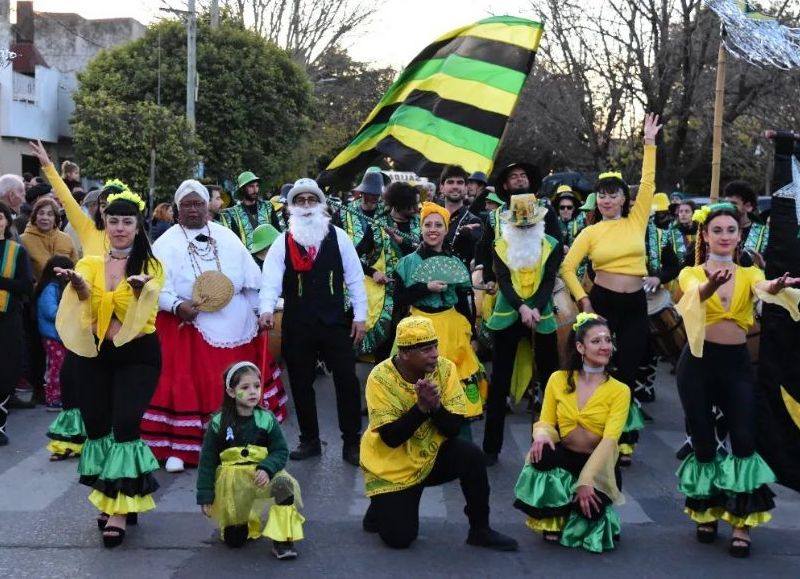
pixel 564 207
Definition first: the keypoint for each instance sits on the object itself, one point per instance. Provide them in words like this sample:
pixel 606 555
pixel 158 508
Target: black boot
pixel 306 450
pixel 488 537
pixel 235 536
pixel 351 453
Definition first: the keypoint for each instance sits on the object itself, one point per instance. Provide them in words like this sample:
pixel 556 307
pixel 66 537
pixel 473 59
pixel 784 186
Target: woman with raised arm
pixel 714 369
pixel 615 244
pixel 107 318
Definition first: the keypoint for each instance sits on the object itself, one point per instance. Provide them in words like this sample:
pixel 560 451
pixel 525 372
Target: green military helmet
pixel 263 236
pixel 246 178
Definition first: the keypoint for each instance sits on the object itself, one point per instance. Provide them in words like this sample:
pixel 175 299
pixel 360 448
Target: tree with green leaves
pixel 252 109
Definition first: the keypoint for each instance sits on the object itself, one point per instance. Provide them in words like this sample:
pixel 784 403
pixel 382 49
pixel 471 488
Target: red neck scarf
pixel 302 261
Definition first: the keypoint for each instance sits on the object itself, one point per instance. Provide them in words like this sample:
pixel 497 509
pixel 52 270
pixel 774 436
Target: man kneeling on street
pixel 416 408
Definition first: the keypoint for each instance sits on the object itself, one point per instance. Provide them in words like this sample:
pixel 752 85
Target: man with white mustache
pixel 310 265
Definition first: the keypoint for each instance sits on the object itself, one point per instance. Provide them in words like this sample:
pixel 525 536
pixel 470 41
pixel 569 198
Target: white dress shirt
pixel 275 267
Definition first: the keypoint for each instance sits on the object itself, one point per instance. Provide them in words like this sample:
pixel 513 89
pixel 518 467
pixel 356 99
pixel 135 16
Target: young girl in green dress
pixel 241 474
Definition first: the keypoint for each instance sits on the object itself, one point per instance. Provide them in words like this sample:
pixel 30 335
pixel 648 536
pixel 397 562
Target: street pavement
pixel 47 526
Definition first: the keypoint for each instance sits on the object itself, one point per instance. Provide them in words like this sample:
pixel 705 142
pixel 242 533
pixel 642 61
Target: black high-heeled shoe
pixel 111 541
pixel 740 551
pixel 130 519
pixel 707 532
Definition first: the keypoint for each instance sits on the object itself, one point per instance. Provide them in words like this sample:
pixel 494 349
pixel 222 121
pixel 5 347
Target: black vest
pixel 316 295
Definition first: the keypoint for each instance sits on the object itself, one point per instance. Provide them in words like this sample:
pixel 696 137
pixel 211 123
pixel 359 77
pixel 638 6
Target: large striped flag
pixel 450 105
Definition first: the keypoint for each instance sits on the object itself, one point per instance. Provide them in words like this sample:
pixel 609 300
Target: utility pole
pixel 191 58
pixel 214 14
pixel 191 65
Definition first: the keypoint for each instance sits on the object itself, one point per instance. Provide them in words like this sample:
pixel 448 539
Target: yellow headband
pixel 127 196
pixel 431 208
pixel 610 175
pixel 701 215
pixel 415 332
pixel 582 318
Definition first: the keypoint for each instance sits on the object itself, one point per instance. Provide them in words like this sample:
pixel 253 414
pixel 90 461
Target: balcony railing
pixel 24 88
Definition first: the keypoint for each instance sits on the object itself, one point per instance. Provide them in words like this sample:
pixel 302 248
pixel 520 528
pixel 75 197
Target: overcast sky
pixel 399 30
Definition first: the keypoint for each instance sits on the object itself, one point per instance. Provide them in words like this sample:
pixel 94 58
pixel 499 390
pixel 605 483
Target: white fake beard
pixel 308 225
pixel 524 244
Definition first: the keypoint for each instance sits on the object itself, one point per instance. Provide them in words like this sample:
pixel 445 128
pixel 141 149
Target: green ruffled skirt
pixel 67 433
pixel 120 474
pixel 729 488
pixel 547 498
pixel 630 432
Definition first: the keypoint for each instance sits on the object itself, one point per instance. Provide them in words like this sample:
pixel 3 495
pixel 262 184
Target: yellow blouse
pixel 698 314
pixel 603 414
pixel 615 246
pixel 76 319
pixel 93 240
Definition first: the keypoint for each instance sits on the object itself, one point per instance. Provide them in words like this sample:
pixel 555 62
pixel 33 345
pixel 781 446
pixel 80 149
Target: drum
pixel 666 326
pixel 274 338
pixel 565 311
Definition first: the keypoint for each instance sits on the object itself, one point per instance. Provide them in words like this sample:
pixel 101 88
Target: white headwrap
pixel 191 186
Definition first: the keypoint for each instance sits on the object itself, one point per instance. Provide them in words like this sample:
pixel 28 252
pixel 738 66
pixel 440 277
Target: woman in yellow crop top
pixel 570 480
pixel 106 318
pixel 714 369
pixel 615 244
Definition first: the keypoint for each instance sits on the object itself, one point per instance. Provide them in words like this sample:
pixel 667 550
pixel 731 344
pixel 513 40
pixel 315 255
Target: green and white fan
pixel 441 268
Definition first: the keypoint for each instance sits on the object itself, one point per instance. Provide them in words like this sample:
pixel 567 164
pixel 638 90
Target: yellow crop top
pixel 697 314
pixel 93 240
pixel 615 246
pixel 604 414
pixel 77 318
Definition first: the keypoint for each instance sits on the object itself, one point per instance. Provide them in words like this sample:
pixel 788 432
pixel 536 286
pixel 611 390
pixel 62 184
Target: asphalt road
pixel 47 526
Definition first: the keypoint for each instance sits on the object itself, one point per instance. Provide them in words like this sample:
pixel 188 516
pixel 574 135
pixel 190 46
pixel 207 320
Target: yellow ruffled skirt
pixel 454 333
pixel 239 501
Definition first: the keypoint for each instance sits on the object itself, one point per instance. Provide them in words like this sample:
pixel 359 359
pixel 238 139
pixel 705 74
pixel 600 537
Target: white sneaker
pixel 174 464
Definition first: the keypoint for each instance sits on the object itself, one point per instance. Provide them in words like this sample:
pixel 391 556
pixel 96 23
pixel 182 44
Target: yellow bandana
pixel 431 208
pixel 415 331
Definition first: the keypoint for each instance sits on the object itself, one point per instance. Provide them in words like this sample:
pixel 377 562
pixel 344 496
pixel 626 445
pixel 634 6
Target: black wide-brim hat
pixel 533 172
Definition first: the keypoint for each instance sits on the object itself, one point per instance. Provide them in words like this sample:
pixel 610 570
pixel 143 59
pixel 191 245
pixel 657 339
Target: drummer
pixel 526 262
pixel 206 322
pixel 571 220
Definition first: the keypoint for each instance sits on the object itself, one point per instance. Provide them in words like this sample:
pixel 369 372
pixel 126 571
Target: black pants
pixel 302 344
pixel 69 381
pixel 12 349
pixel 627 320
pixel 545 349
pixel 116 387
pixel 722 377
pixel 396 515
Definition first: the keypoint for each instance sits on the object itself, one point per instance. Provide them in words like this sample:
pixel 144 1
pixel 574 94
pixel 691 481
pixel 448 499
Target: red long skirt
pixel 190 388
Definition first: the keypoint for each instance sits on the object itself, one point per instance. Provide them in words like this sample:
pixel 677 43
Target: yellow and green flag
pixel 450 105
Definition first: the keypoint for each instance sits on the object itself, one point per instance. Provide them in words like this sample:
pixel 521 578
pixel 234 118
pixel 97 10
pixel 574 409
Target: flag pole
pixel 719 110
